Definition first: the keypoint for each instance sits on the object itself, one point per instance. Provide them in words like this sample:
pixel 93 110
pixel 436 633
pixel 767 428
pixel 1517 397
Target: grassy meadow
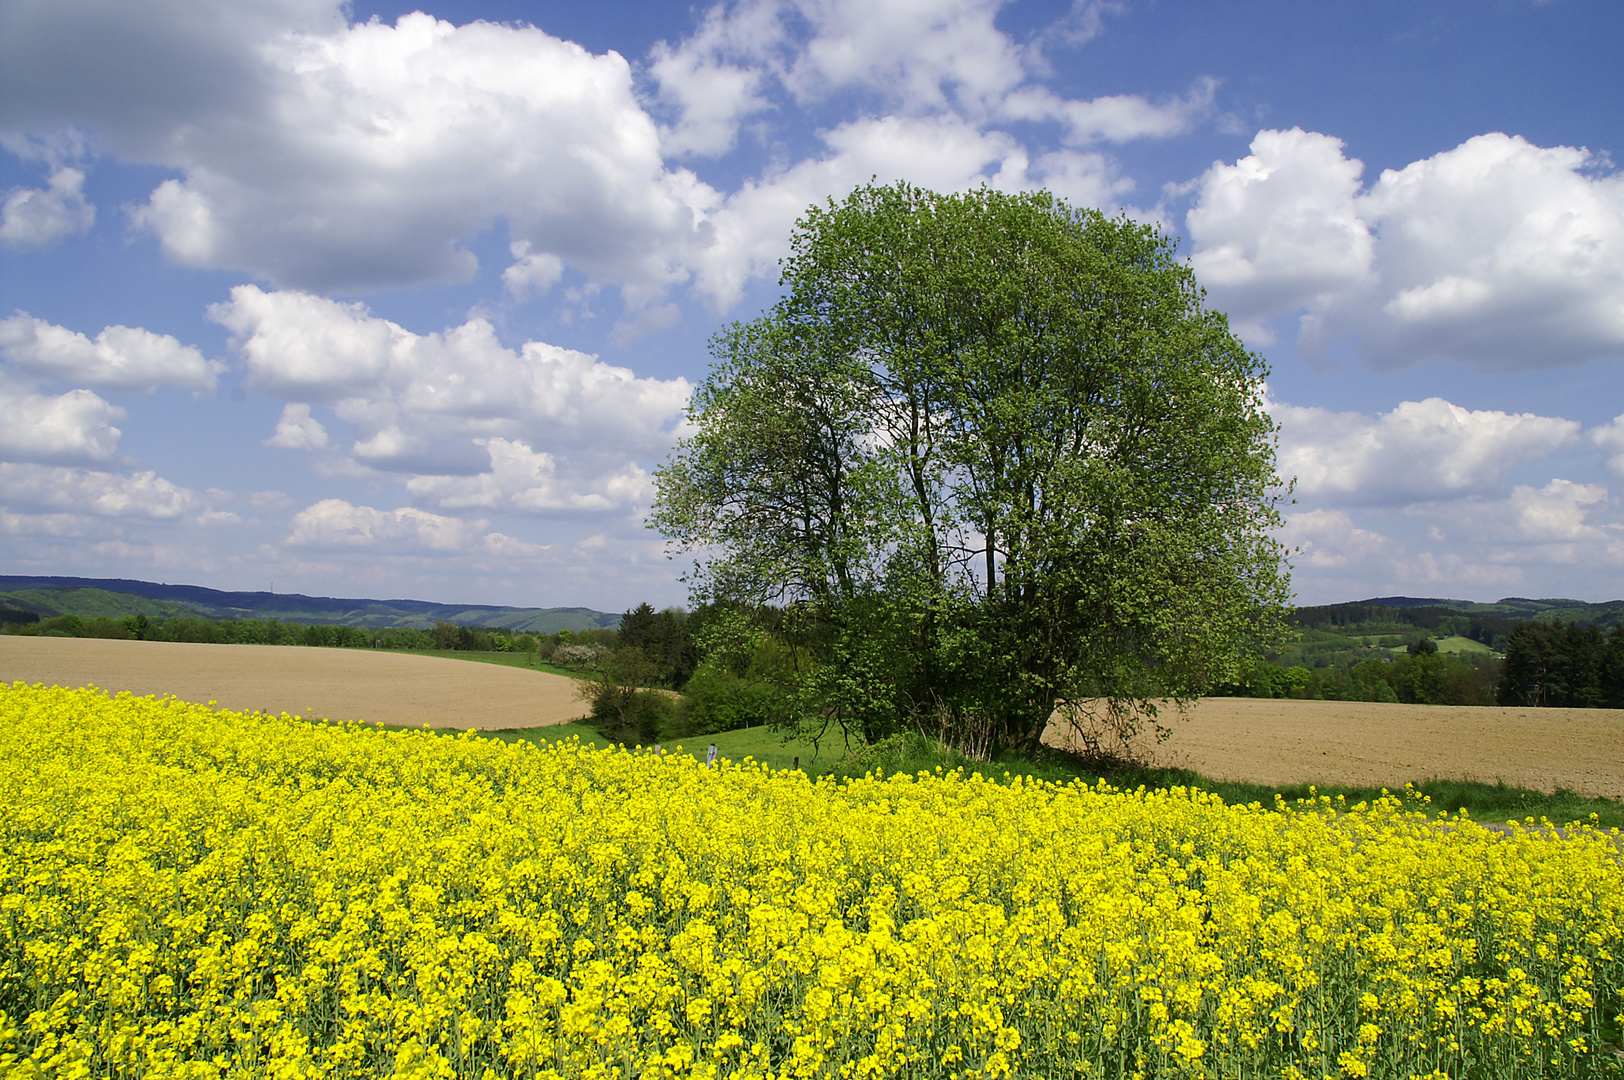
pixel 528 661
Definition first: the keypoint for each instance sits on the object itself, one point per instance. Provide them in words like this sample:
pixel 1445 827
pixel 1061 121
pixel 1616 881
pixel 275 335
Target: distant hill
pixel 120 597
pixel 1605 613
pixel 89 604
pixel 1337 635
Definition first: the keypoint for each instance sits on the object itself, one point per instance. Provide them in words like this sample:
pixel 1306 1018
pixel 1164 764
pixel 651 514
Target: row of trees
pixel 1424 676
pixel 744 672
pixel 1552 664
pixel 1547 663
pixel 725 684
pixel 443 635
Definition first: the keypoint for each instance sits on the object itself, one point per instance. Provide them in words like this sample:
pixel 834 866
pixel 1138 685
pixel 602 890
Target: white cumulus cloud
pixel 383 148
pixel 1610 438
pixel 1116 117
pixel 520 478
pixel 76 427
pixel 1279 227
pixel 56 526
pixel 464 420
pixel 298 430
pixel 908 55
pixel 751 229
pixel 120 358
pixel 34 217
pixel 715 77
pixel 1336 559
pixel 334 523
pixel 1497 252
pixel 89 491
pixel 1419 450
pixel 324 155
pixel 1557 511
pixel 1502 252
pixel 1329 539
pixel 404 390
pixel 531 273
pixel 1560 512
pixel 905 57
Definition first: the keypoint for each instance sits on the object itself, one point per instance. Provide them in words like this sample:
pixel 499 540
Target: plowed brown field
pixel 1365 742
pixel 339 684
pixel 1266 742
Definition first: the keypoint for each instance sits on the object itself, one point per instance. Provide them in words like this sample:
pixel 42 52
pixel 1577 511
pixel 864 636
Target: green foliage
pixel 1552 664
pixel 87 604
pixel 404 638
pixel 1422 677
pixel 988 455
pixel 190 628
pixel 72 626
pixel 622 712
pixel 1488 624
pixel 719 700
pixel 1261 680
pixel 748 676
pixel 665 638
pixel 448 636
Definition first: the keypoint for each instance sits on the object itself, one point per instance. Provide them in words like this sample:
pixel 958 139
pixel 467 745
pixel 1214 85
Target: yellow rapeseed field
pixel 187 892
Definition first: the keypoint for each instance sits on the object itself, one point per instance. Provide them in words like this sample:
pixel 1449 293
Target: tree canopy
pixel 1564 665
pixel 989 455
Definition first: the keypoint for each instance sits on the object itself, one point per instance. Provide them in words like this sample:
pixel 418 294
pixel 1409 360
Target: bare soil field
pixel 339 684
pixel 1264 742
pixel 1370 743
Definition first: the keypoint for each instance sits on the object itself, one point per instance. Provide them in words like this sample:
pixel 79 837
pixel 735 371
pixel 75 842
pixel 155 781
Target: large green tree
pixel 992 456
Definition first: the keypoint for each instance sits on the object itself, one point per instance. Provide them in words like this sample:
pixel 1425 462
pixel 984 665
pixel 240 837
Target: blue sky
pixel 367 300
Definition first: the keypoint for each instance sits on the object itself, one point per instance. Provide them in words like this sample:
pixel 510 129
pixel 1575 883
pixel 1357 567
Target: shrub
pixel 579 657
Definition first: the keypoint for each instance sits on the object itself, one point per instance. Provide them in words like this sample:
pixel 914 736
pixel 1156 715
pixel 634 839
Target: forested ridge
pixel 1516 651
pixel 117 597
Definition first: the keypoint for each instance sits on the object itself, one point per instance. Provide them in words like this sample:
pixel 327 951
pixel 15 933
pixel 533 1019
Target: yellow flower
pixel 190 891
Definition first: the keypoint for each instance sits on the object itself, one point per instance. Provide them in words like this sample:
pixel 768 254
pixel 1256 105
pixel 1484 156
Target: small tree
pixel 620 710
pixel 580 657
pixel 666 639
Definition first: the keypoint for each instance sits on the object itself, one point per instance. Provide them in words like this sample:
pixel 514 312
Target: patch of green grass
pixel 766 746
pixel 1484 802
pixel 507 659
pixel 552 733
pixel 1458 644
